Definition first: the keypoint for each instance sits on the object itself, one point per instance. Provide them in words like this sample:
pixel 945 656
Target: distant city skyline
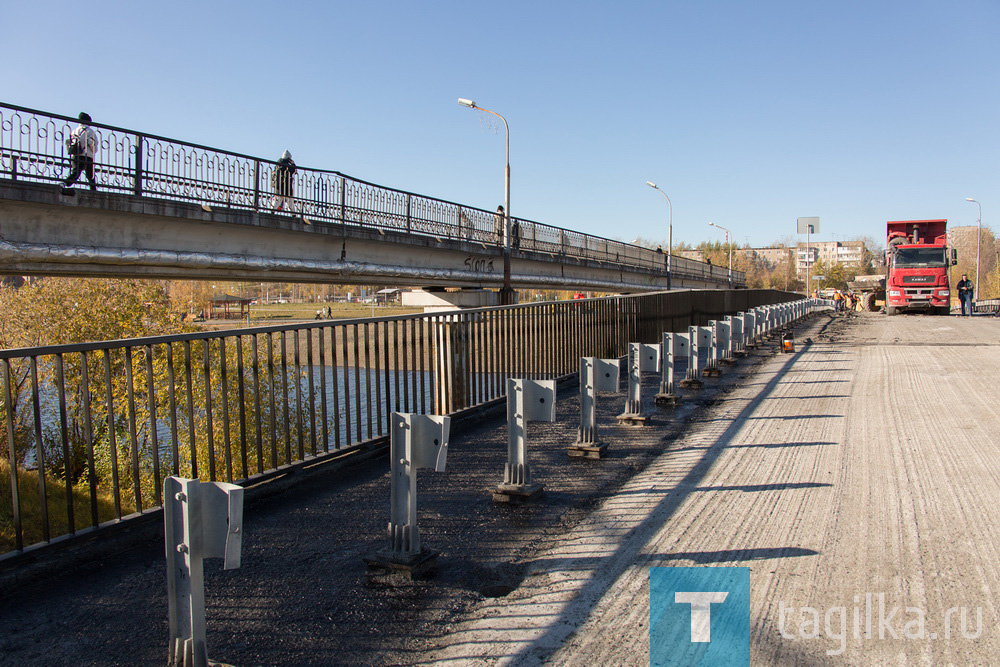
pixel 746 115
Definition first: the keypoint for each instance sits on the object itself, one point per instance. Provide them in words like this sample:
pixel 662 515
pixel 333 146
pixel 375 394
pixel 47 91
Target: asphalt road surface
pixel 859 471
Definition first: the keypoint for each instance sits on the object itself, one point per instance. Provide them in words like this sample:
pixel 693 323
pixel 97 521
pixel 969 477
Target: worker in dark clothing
pixel 965 291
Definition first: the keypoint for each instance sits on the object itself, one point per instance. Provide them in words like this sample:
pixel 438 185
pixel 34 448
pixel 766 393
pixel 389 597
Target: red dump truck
pixel 917 262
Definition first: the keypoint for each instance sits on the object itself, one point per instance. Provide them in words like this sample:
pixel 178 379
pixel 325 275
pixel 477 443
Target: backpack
pixel 78 143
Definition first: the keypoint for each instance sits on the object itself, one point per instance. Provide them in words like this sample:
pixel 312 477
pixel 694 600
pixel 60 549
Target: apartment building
pixel 848 253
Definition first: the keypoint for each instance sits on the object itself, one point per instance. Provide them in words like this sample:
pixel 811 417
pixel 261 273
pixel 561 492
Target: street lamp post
pixel 730 251
pixel 506 292
pixel 979 244
pixel 670 231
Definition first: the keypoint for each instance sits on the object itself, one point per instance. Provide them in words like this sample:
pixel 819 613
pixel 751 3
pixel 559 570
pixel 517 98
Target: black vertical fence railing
pixel 33 148
pixel 90 431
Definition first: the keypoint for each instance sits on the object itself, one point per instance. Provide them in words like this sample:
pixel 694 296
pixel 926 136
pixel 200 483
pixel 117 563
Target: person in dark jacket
pixel 965 291
pixel 500 225
pixel 283 181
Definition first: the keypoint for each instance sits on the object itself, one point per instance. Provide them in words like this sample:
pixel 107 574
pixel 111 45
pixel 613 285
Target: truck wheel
pixel 868 304
pixel 942 310
pixel 891 310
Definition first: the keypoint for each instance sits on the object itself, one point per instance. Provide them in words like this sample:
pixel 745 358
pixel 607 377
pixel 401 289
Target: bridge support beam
pixel 434 299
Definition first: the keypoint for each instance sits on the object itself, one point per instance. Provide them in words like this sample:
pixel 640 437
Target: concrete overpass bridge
pixel 171 209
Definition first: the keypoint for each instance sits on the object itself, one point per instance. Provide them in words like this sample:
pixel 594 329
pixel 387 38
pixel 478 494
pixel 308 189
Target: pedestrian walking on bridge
pixel 82 147
pixel 500 225
pixel 282 179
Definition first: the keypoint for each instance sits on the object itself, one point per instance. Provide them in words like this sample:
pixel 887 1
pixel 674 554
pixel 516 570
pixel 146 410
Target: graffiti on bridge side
pixel 479 264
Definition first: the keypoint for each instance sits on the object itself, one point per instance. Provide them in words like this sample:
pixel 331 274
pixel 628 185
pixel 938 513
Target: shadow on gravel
pixel 766 445
pixel 796 417
pixel 736 555
pixel 781 445
pixel 766 487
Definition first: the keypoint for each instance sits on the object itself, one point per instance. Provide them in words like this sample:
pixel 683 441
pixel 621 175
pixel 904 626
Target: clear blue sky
pixel 748 114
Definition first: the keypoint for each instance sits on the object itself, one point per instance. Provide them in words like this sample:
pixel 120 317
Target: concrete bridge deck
pixel 825 472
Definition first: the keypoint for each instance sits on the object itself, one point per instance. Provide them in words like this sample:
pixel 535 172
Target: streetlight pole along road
pixel 979 244
pixel 730 251
pixel 506 292
pixel 670 231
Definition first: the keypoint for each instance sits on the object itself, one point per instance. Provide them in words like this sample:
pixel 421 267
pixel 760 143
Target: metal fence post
pixel 527 400
pixel 138 175
pixel 343 200
pixel 453 363
pixel 693 381
pixel 672 343
pixel 724 335
pixel 710 335
pixel 641 357
pixel 256 184
pixel 201 520
pixel 595 375
pixel 415 441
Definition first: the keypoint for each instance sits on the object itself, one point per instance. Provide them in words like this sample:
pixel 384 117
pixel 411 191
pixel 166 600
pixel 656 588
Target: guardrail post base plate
pixel 384 562
pixel 627 419
pixel 588 450
pixel 666 399
pixel 516 494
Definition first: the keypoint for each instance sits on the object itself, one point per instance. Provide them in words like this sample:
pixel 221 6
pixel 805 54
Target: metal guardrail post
pixel 409 217
pixel 415 441
pixel 673 345
pixel 595 375
pixel 527 400
pixel 201 520
pixel 736 333
pixel 13 167
pixel 724 339
pixel 706 342
pixel 750 329
pixel 641 357
pixel 693 379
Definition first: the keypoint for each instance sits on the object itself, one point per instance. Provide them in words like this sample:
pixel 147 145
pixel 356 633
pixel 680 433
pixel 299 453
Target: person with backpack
pixel 282 181
pixel 82 147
